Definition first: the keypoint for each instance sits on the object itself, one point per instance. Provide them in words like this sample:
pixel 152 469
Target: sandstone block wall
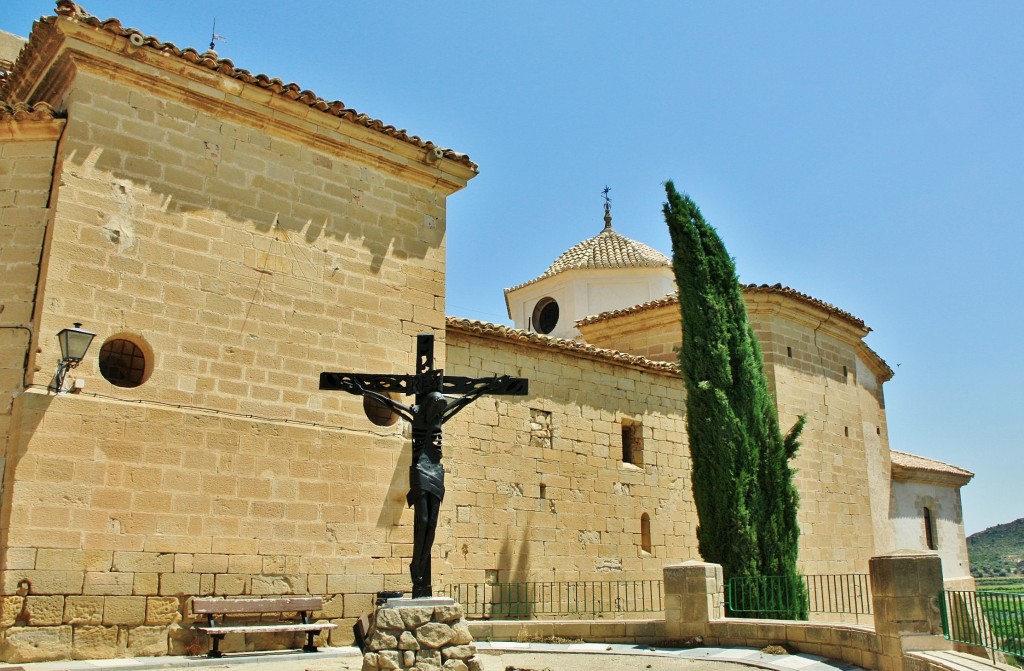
pixel 537 487
pixel 245 260
pixel 813 371
pixel 27 150
pixel 654 333
pixel 244 245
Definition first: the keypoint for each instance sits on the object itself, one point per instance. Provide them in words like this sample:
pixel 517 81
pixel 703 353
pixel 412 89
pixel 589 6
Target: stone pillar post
pixel 693 597
pixel 905 588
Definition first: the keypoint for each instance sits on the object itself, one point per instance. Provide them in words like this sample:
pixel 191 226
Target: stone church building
pixel 228 237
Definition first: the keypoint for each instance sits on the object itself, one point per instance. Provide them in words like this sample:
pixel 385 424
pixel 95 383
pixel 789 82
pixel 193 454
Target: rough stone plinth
pixel 420 634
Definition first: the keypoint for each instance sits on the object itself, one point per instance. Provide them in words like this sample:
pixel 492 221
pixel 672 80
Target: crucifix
pixel 431 409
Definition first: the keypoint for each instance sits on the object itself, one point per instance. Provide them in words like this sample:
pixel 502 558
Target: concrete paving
pixel 327 658
pixel 745 656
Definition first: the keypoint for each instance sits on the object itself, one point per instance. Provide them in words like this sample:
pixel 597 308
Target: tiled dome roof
pixel 607 249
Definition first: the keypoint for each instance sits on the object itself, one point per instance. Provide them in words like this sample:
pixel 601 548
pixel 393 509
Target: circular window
pixel 545 315
pixel 378 413
pixel 124 363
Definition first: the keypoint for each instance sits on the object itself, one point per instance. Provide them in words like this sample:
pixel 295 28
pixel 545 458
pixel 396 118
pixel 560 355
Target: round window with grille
pixel 123 363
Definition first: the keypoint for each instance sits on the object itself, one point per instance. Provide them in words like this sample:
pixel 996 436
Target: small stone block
pixel 421 602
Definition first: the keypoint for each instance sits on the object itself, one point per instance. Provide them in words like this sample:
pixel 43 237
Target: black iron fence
pixel 844 593
pixel 521 600
pixel 993 620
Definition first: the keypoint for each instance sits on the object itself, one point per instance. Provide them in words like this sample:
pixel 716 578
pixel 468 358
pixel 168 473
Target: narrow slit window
pixel 645 533
pixel 789 352
pixel 929 529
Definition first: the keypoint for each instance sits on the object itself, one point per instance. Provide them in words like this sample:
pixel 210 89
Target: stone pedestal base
pixel 419 635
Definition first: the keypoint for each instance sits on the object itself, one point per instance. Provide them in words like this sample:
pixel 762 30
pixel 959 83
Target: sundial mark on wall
pixel 284 259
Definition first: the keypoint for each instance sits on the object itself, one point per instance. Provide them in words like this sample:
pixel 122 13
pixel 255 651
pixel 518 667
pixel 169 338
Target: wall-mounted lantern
pixel 74 343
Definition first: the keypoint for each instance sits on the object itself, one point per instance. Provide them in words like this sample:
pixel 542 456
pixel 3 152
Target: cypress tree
pixel 742 483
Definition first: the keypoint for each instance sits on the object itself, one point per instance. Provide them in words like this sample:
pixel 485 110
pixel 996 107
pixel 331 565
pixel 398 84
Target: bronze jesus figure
pixel 430 411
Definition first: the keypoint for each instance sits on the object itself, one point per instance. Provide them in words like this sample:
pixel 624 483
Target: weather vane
pixel 214 37
pixel 607 200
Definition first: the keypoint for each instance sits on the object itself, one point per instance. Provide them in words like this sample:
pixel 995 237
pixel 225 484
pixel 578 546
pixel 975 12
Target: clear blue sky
pixel 870 154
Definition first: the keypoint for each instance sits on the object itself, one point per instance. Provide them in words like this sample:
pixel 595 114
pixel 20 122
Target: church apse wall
pixel 805 349
pixel 837 532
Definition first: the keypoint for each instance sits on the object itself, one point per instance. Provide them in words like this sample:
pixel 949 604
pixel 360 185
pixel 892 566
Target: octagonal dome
pixel 608 249
pixel 606 272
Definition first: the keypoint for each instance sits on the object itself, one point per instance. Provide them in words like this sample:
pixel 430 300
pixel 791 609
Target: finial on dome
pixel 607 209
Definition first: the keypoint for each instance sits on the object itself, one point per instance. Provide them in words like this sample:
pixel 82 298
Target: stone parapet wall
pixel 643 631
pixel 852 644
pixel 906 620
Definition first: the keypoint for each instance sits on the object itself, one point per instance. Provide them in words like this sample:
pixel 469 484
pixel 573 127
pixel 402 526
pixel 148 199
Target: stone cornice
pixel 815 311
pixel 876 363
pixel 59 45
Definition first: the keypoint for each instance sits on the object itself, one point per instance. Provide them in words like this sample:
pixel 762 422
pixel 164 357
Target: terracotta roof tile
pixel 672 299
pixel 25 112
pixel 912 462
pixel 607 249
pixel 210 61
pixel 571 346
pixel 810 300
pixel 669 299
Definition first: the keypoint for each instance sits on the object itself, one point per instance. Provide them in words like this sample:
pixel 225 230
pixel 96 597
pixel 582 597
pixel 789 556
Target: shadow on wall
pixel 25 420
pixel 288 192
pixel 394 501
pixel 512 597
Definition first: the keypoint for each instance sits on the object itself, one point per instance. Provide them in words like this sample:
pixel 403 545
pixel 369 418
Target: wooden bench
pixel 303 605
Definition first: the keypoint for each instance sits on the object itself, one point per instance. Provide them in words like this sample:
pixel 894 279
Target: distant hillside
pixel 998 550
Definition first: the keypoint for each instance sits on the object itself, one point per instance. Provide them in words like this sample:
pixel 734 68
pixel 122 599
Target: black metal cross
pixel 425 380
pixel 430 411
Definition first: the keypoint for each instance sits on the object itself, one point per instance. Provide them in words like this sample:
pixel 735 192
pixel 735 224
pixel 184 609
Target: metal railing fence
pixel 842 593
pixel 520 600
pixel 993 620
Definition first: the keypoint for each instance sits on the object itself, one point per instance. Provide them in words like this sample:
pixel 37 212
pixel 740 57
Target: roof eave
pixel 108 40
